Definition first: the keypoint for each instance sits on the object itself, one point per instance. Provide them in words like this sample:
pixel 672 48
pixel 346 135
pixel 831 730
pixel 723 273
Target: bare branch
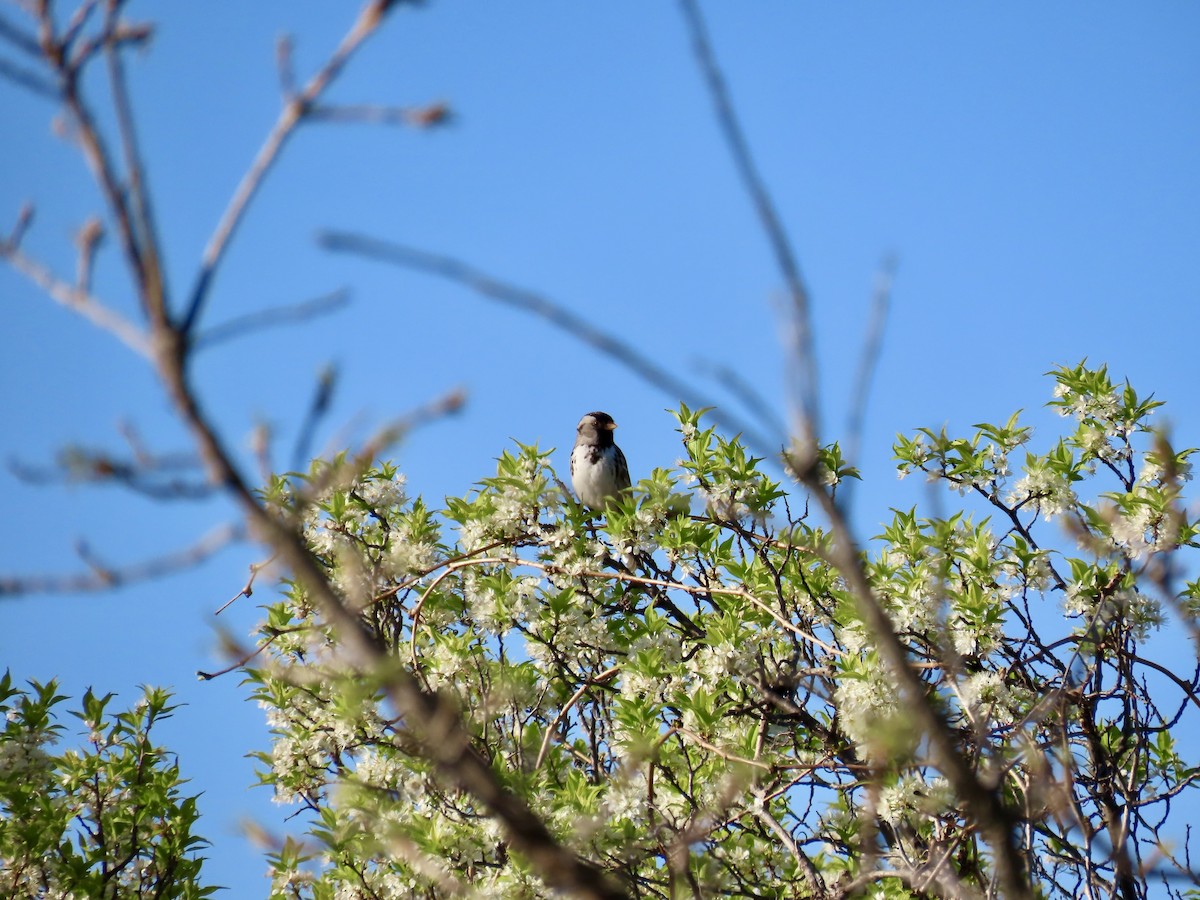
pixel 95 150
pixel 142 221
pixel 542 306
pixel 79 20
pixel 431 115
pixel 294 111
pixel 76 465
pixel 24 219
pixel 248 588
pixel 318 408
pixel 31 81
pixel 77 301
pixel 806 382
pixel 868 359
pixel 867 362
pixel 283 62
pixel 21 40
pixel 748 396
pixel 293 313
pixel 87 239
pixel 102 577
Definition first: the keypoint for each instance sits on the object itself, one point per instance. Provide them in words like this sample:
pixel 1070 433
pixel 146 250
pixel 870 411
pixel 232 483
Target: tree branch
pixel 295 109
pixel 804 356
pixel 77 300
pixel 542 306
pixel 101 577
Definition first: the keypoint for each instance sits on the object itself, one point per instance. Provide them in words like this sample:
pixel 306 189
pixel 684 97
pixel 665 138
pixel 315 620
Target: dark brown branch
pixel 539 305
pixel 24 219
pixel 87 239
pixel 142 221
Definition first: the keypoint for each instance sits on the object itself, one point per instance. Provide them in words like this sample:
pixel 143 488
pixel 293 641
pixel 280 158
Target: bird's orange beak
pixel 611 426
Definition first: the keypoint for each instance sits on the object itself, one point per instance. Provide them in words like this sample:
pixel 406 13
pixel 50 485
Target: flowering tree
pixel 690 696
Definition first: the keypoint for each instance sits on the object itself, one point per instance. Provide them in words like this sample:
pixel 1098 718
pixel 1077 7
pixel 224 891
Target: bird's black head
pixel 597 428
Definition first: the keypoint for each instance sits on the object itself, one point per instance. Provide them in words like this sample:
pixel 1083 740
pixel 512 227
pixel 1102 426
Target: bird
pixel 599 472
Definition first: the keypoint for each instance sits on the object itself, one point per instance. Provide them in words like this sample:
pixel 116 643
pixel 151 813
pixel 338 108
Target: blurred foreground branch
pixel 547 309
pixel 983 801
pixel 103 577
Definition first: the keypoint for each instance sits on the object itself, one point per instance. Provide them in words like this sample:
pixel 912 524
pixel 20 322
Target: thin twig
pixel 24 219
pixel 77 465
pixel 749 396
pixel 78 301
pixel 97 155
pixel 247 589
pixel 542 306
pixel 430 115
pixel 272 317
pixel 816 884
pixel 318 408
pixel 868 361
pixel 244 655
pixel 142 220
pixel 295 109
pixel 591 682
pixel 102 577
pixel 87 239
pixel 31 81
pixel 803 355
pixel 284 63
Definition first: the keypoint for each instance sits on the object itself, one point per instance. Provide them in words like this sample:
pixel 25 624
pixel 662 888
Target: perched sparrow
pixel 598 468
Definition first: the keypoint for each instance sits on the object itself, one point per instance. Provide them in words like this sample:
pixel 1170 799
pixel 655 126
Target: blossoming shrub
pixel 104 820
pixel 684 690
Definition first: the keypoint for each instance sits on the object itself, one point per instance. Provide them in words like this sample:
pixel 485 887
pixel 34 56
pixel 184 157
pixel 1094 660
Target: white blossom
pixel 1049 491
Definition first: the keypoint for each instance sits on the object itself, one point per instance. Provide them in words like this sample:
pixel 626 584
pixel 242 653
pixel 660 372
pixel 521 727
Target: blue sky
pixel 1034 169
